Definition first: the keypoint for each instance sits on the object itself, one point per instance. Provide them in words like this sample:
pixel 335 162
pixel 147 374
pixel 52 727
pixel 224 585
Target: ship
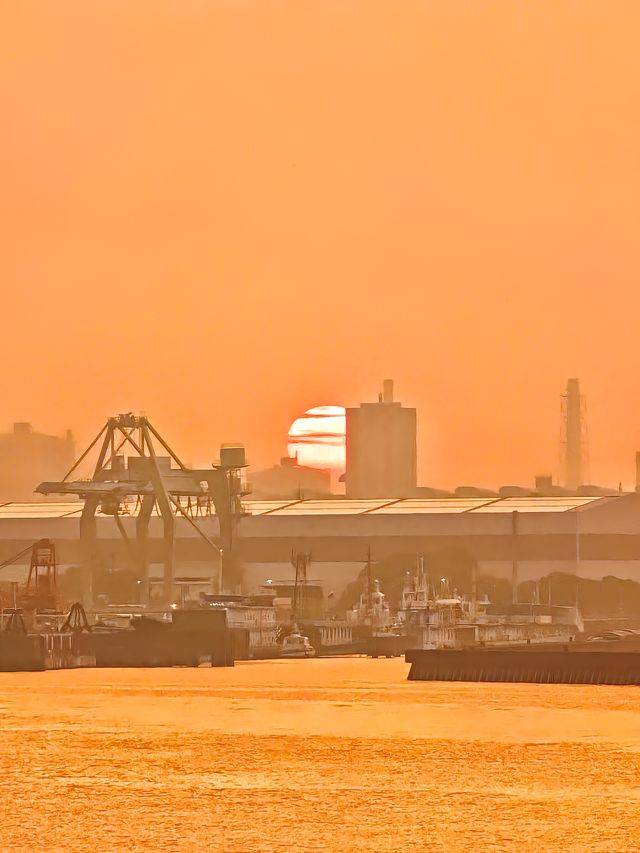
pixel 455 639
pixel 296 645
pixel 375 632
pixel 440 618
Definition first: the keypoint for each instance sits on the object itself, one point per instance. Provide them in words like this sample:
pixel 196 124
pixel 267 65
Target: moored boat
pixel 296 645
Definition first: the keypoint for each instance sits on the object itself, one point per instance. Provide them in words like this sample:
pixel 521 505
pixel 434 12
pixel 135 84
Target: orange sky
pixel 223 213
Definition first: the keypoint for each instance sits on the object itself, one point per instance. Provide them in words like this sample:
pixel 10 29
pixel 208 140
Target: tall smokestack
pixel 574 428
pixel 387 391
pixel 638 471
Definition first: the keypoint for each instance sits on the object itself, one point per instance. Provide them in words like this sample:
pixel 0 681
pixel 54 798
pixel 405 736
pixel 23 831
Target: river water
pixel 329 754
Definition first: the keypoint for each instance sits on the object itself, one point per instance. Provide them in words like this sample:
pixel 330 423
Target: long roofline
pixel 344 507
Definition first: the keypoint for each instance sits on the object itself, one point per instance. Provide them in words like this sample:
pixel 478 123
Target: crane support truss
pixel 154 476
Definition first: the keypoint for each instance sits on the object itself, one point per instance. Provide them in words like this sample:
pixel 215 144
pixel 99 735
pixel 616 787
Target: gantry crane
pixel 154 476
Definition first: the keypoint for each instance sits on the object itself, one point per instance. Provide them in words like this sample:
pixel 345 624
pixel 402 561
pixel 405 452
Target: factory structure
pixel 176 528
pixel 381 449
pixel 381 453
pixel 290 480
pixel 512 538
pixel 574 452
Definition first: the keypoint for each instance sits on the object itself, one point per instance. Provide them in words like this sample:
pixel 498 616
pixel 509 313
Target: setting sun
pixel 317 438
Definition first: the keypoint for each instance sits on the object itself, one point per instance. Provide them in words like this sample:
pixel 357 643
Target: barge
pixel 579 663
pixel 21 651
pixel 191 638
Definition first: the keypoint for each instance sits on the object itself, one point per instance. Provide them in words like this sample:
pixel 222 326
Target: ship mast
pixel 300 563
pixel 369 584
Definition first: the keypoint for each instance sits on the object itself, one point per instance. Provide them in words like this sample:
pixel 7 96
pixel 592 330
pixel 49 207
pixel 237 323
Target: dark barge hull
pixel 142 649
pixel 559 666
pixel 192 637
pixel 39 652
pixel 22 653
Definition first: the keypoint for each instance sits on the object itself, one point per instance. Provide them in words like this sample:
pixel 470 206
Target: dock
pixel 562 665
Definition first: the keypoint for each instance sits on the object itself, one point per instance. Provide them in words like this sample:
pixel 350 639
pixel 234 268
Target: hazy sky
pixel 223 213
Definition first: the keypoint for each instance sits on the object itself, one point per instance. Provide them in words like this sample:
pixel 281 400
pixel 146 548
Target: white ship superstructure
pixel 441 619
pixel 372 611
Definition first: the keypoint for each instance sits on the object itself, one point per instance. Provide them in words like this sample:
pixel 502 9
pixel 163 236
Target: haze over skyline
pixel 224 214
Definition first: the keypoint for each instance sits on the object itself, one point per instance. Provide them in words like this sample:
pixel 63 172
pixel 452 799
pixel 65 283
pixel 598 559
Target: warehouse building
pixel 525 537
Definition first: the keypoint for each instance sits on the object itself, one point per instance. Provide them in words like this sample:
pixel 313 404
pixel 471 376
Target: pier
pixel 561 666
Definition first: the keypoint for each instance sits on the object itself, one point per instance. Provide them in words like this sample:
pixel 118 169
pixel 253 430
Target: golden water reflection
pixel 336 755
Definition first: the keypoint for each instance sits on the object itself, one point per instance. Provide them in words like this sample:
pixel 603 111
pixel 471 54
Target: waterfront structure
pixel 547 663
pixel 519 538
pixel 444 619
pixel 27 457
pixel 381 448
pixel 156 483
pixel 259 621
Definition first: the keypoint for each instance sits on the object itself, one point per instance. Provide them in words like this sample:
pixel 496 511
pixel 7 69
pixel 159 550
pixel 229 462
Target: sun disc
pixel 317 438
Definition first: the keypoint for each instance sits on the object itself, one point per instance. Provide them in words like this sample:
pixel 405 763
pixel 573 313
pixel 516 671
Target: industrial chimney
pixel 574 431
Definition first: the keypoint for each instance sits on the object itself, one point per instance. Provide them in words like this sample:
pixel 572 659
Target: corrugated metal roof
pixel 410 506
pixel 323 507
pixel 337 506
pixel 554 504
pixel 433 505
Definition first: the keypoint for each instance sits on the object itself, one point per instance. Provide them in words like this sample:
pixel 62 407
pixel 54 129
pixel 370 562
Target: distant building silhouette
pixel 381 449
pixel 290 480
pixel 27 458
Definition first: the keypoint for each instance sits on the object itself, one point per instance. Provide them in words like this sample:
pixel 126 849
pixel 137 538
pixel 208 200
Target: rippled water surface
pixel 336 755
